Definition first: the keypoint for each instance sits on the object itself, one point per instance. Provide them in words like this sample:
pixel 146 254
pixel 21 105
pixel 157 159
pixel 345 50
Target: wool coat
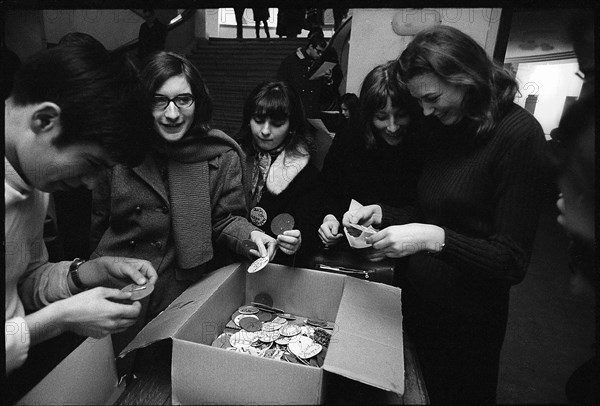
pixel 131 217
pixel 293 186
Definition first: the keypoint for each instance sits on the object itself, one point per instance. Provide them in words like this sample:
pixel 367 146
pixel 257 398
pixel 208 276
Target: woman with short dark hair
pixel 479 195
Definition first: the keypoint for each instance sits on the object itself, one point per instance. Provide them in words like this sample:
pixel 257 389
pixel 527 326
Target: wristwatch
pixel 74 272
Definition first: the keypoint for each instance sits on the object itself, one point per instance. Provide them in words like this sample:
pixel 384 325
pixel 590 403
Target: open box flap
pixel 366 344
pixel 169 321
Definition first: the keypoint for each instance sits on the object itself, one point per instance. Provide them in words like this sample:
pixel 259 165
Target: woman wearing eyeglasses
pixel 184 208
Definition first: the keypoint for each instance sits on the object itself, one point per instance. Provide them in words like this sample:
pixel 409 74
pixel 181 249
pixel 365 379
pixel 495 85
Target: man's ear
pixel 45 118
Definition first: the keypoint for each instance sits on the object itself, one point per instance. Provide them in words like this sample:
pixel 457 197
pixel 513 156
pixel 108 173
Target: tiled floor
pixel 550 330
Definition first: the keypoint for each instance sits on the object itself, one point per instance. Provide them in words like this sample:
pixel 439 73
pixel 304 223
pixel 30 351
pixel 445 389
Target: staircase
pixel 231 68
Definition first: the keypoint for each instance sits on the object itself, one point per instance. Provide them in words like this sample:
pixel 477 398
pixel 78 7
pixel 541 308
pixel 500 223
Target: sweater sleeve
pixel 505 253
pixel 17 341
pixel 399 215
pixel 44 283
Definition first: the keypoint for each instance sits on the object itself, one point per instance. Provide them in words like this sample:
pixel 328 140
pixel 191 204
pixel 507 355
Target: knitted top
pixel 485 192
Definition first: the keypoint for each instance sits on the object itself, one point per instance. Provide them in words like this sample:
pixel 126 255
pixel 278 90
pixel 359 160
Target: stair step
pixel 231 68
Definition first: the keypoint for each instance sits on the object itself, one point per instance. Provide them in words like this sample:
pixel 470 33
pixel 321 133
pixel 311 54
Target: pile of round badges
pixel 273 336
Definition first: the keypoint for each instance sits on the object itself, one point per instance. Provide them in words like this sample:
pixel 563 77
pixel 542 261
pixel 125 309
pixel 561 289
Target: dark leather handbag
pixel 349 261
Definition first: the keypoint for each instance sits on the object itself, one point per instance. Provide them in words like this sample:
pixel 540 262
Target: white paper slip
pixel 358 241
pixel 322 69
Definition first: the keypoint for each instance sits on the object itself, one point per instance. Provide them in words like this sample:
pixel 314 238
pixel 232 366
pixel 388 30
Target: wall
pixel 373 41
pixel 112 28
pixel 552 82
pixel 24 32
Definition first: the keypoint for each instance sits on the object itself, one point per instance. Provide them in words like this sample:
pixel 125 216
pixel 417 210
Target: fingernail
pixel 141 281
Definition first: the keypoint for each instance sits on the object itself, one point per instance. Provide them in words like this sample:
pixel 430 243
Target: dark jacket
pixel 260 14
pixel 290 21
pixel 131 218
pixel 295 69
pixel 329 99
pixel 151 39
pixel 295 191
pixel 383 175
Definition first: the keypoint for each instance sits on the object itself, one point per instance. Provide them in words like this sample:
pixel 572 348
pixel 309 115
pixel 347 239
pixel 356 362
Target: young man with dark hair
pixel 73 111
pixel 297 68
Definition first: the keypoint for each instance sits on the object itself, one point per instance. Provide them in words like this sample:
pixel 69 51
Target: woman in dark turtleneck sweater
pixel 479 196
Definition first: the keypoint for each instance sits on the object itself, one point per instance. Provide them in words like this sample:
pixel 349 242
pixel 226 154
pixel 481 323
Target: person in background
pixel 576 177
pixel 315 19
pixel 374 159
pixel 184 208
pixel 575 164
pixel 59 134
pixel 239 22
pixel 478 196
pixel 349 113
pixel 261 14
pixel 329 98
pixel 297 69
pixel 152 35
pixel 339 14
pixel 290 22
pixel 576 204
pixel 277 144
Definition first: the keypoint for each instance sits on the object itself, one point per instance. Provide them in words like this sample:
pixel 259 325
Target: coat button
pixel 164 209
pixel 157 244
pixel 138 208
pixel 132 243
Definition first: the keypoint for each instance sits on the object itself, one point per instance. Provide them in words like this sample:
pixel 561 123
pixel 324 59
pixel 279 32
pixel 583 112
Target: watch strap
pixel 74 272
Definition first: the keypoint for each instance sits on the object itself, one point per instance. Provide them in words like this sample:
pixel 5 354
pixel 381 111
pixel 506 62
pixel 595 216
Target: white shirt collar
pixel 14 180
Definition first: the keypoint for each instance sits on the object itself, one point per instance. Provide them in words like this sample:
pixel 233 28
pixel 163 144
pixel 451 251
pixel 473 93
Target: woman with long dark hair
pixel 478 195
pixel 278 146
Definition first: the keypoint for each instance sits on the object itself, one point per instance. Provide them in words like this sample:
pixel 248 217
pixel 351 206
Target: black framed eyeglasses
pixel 182 101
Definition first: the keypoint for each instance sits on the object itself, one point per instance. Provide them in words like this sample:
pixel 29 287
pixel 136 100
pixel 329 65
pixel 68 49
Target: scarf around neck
pixel 276 170
pixel 260 169
pixel 189 197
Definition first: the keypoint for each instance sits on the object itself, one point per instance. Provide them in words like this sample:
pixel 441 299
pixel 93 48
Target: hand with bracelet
pixel 112 272
pixel 396 241
pixel 94 309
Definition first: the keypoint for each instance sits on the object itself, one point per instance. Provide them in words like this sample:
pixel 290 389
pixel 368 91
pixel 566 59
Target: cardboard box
pixel 366 344
pixel 87 376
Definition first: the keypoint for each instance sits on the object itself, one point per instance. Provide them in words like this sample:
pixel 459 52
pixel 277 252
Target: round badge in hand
pixel 282 222
pixel 138 292
pixel 259 264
